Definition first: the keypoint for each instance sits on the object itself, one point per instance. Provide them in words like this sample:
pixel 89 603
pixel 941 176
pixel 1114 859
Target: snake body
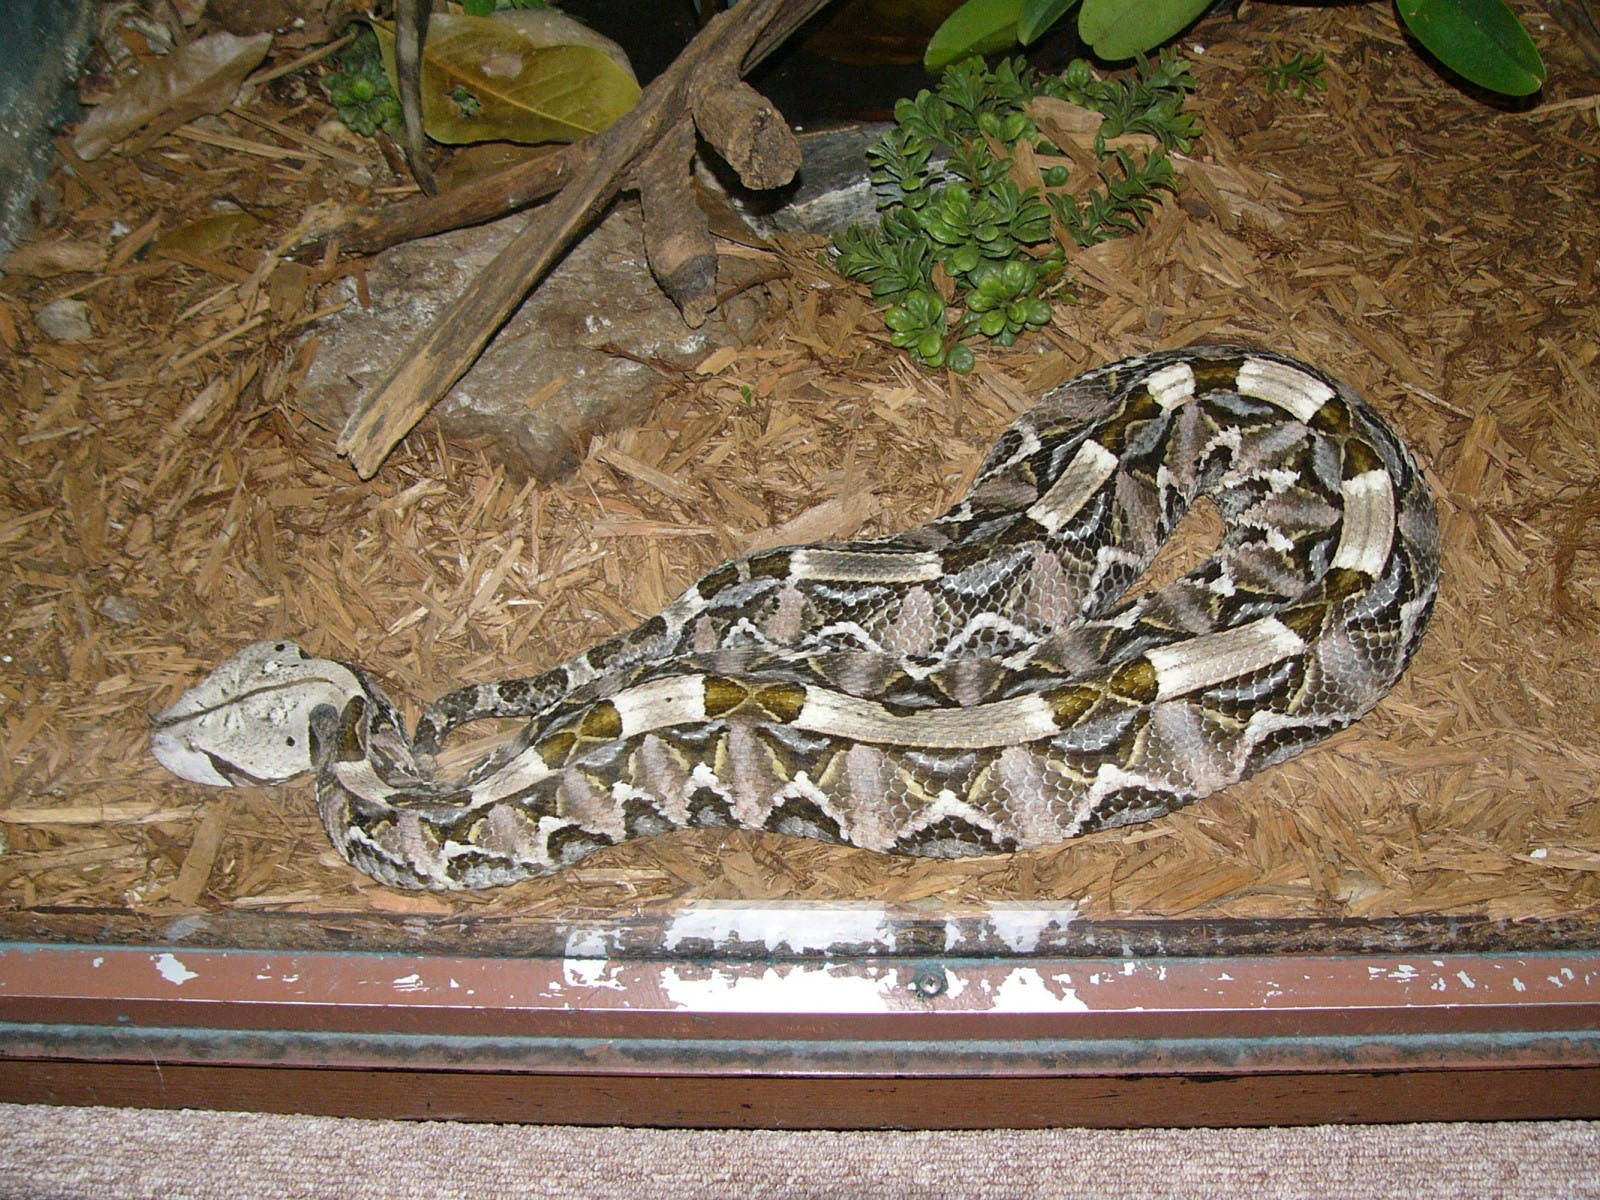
pixel 976 685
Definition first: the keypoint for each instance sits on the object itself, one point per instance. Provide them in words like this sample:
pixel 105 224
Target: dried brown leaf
pixel 203 77
pixel 61 257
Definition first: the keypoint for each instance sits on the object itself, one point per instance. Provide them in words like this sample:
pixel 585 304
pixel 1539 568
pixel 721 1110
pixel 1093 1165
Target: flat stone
pixel 119 609
pixel 65 321
pixel 562 369
pixel 831 190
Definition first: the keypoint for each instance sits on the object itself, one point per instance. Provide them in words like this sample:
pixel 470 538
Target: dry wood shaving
pixel 165 502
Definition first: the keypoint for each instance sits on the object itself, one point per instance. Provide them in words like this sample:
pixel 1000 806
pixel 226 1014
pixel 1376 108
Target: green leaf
pixel 1039 16
pixel 977 27
pixel 1480 40
pixel 1122 28
pixel 518 92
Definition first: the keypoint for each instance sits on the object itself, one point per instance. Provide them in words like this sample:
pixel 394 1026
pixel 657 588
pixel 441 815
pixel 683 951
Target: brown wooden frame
pixel 877 1019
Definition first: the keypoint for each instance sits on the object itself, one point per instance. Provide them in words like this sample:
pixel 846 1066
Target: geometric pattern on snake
pixel 976 685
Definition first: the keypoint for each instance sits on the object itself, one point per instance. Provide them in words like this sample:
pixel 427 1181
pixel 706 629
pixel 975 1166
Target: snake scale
pixel 976 685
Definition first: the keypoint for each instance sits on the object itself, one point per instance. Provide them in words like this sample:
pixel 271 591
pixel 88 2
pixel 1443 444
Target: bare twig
pixel 487 199
pixel 677 238
pixel 744 128
pixel 366 231
pixel 410 35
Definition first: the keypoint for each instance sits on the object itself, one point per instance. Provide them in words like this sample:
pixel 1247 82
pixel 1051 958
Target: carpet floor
pixel 111 1154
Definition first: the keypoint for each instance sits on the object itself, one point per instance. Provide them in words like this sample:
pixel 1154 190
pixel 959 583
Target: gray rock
pixel 45 44
pixel 65 321
pixel 119 609
pixel 556 374
pixel 830 191
pixel 564 367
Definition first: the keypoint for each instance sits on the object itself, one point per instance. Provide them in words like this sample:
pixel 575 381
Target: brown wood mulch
pixel 164 502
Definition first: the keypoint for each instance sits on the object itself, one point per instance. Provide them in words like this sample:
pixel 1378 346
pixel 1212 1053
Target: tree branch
pixel 494 196
pixel 743 126
pixel 602 165
pixel 677 238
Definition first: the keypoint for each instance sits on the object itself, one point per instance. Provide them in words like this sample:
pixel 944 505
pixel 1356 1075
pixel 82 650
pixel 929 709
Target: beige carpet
pixel 109 1154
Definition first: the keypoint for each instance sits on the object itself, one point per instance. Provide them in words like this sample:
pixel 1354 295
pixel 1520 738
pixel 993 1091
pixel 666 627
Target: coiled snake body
pixel 973 685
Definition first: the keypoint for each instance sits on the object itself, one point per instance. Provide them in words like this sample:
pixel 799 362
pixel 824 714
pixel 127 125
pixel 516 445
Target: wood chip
pixel 169 501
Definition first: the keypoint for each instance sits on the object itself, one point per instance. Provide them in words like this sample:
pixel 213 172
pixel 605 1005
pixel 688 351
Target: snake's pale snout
pixel 173 751
pixel 249 721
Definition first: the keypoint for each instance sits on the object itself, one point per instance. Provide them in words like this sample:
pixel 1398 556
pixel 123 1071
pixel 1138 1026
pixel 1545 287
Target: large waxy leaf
pixel 977 27
pixel 1038 16
pixel 551 27
pixel 1122 28
pixel 482 80
pixel 1480 40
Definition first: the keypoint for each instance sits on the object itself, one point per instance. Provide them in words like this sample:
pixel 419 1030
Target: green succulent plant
pixel 1299 73
pixel 358 88
pixel 964 250
pixel 1480 40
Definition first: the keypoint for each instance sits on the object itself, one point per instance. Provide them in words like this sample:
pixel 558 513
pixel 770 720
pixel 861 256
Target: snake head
pixel 249 721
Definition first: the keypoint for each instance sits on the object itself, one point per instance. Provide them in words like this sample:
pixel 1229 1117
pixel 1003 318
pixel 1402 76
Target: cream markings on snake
pixel 1084 476
pixel 1214 657
pixel 1285 385
pixel 845 566
pixel 1368 523
pixel 975 685
pixel 1172 386
pixel 1001 723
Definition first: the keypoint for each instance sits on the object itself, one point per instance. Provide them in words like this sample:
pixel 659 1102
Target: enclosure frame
pixel 809 1015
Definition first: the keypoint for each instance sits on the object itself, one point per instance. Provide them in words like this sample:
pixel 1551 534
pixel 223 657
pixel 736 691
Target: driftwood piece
pixel 677 237
pixel 367 231
pixel 607 163
pixel 744 127
pixel 488 199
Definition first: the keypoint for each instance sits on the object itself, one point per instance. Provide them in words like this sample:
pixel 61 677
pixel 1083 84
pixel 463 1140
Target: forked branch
pixel 649 148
